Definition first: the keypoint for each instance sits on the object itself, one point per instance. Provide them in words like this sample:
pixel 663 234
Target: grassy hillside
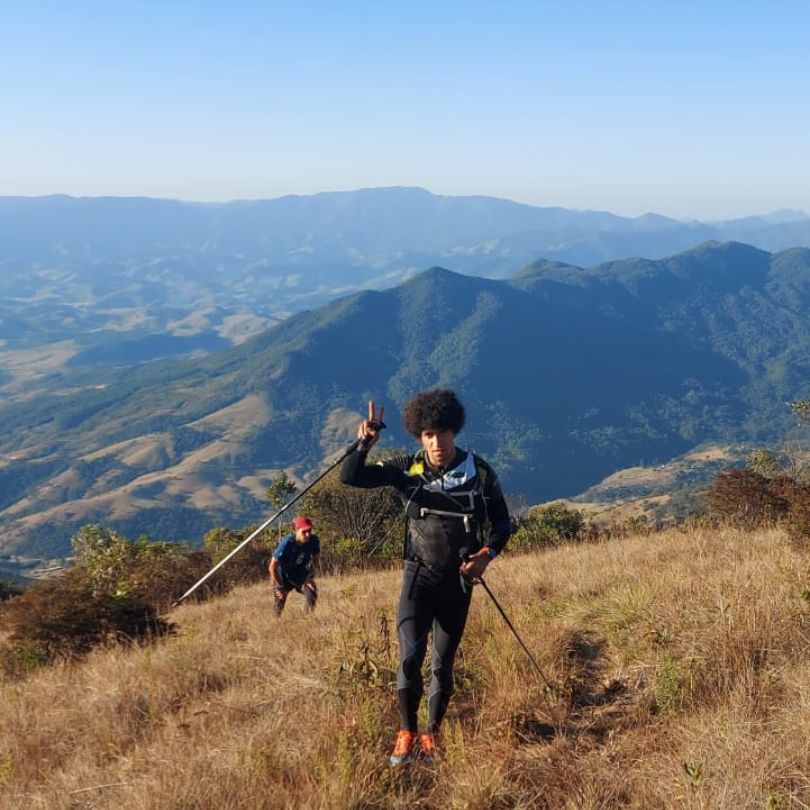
pixel 679 667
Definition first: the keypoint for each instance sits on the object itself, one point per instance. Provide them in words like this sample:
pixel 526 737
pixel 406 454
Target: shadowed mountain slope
pixel 107 281
pixel 567 374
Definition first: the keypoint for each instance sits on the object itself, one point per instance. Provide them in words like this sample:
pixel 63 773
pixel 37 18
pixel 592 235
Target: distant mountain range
pixel 102 277
pixel 373 228
pixel 568 374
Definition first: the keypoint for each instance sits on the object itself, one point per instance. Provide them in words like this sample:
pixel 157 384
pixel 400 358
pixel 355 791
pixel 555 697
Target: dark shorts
pixel 294 584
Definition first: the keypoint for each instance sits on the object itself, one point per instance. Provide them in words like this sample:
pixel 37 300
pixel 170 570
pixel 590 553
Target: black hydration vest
pixel 445 513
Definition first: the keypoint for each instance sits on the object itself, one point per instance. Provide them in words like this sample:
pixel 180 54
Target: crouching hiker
pixel 293 563
pixel 457 522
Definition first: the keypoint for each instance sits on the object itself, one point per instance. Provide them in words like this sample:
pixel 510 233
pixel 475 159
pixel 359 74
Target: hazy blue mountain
pixel 361 228
pixel 568 374
pixel 73 267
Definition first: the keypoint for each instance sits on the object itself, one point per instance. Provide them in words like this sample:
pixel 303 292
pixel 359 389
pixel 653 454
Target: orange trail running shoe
pixel 427 745
pixel 403 748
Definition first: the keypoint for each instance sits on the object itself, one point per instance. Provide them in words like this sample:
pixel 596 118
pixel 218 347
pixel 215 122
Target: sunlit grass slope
pixel 679 669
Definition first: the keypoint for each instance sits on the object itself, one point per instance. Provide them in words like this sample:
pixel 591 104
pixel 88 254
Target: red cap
pixel 302 522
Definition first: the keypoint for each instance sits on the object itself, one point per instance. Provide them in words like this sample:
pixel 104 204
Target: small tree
pixel 105 557
pixel 764 462
pixel 518 505
pixel 801 410
pixel 796 447
pixel 152 571
pixel 249 565
pixel 280 491
pixel 547 525
pixel 364 524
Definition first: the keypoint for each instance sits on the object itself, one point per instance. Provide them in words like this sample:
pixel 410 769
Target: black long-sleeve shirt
pixel 438 532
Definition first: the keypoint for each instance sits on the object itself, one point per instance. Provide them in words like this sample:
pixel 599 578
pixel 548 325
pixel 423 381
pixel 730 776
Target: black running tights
pixel 429 600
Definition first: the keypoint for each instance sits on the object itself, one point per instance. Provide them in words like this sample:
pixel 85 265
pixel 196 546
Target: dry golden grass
pixel 678 664
pixel 28 365
pixel 713 453
pixel 617 512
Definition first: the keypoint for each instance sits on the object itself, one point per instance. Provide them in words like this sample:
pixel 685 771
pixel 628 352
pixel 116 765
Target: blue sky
pixel 691 109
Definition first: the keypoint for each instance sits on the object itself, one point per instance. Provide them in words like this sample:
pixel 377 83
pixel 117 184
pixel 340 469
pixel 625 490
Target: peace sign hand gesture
pixel 369 431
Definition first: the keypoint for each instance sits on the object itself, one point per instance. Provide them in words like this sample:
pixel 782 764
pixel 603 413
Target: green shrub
pixel 67 617
pixel 154 572
pixel 372 519
pixel 548 525
pixel 765 462
pixel 249 565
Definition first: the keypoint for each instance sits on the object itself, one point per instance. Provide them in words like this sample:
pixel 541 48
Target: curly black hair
pixel 438 409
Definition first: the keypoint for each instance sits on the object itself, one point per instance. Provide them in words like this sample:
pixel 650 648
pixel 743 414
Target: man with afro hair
pixel 457 522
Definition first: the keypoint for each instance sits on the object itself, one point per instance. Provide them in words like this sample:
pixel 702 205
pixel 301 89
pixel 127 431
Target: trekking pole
pixel 348 451
pixel 480 581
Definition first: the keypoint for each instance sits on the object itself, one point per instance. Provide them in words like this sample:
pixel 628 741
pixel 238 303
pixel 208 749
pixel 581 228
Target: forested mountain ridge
pixel 568 374
pixel 113 281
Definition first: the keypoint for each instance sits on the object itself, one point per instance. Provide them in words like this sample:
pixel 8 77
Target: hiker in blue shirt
pixel 293 563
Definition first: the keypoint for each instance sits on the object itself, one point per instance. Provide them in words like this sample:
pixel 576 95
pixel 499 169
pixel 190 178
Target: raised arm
pixel 354 470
